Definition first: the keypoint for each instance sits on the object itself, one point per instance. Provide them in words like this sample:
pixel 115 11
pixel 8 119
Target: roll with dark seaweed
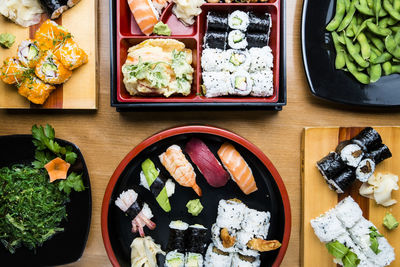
pixel 343 180
pixel 257 39
pixel 217 21
pixel 177 235
pixel 259 23
pixel 365 169
pixel 380 154
pixel 55 7
pixel 351 154
pixel 214 39
pixel 331 166
pixel 368 139
pixel 196 239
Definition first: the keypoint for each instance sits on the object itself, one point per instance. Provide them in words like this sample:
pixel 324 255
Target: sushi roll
pixel 138 211
pixel 223 238
pixel 238 20
pixel 261 59
pixel 331 166
pixel 239 260
pixel 380 154
pixel 256 223
pixel 351 154
pixel 237 40
pixel 365 169
pixel 368 139
pixel 70 54
pixel 262 83
pixel 238 168
pixel 50 70
pixel 207 163
pixel 230 213
pixel 260 23
pixel 217 84
pixel 348 212
pixel 193 260
pixel 257 39
pixel 12 71
pixel 327 226
pixel 50 34
pixel 236 60
pixel 214 39
pixel 215 257
pixel 161 188
pixel 343 180
pixel 35 90
pixel 174 259
pixel 213 60
pixel 29 53
pixel 54 7
pixel 196 239
pixel 177 236
pixel 180 168
pixel 217 21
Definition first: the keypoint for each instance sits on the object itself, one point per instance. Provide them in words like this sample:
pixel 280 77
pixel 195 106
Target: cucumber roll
pixel 193 260
pixel 259 23
pixel 54 7
pixel 368 139
pixel 238 20
pixel 257 39
pixel 237 40
pixel 213 60
pixel 380 154
pixel 29 53
pixel 50 70
pixel 196 239
pixel 237 59
pixel 161 188
pixel 261 59
pixel 214 39
pixel 241 83
pixel 216 84
pixel 174 259
pixel 217 21
pixel 177 235
pixel 216 257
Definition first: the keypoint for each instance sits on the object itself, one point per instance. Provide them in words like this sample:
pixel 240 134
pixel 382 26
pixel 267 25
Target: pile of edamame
pixel 366 36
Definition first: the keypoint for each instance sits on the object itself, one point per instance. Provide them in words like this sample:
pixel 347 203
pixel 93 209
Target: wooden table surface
pixel 106 136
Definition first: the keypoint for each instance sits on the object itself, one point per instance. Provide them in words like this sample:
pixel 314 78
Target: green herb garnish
pixel 337 249
pixel 350 260
pixel 373 238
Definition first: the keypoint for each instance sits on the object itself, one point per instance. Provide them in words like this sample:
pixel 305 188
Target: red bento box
pixel 126 33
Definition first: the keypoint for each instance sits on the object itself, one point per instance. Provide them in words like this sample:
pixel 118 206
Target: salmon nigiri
pixel 145 14
pixel 238 168
pixel 180 168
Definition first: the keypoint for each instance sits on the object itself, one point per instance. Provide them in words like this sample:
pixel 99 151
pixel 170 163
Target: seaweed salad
pixel 32 207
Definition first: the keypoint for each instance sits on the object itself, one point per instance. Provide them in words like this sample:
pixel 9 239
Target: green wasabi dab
pixel 7 40
pixel 390 221
pixel 194 207
pixel 162 29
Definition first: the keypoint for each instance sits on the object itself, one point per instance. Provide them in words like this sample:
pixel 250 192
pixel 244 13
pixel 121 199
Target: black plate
pixel 62 248
pixel 267 198
pixel 319 61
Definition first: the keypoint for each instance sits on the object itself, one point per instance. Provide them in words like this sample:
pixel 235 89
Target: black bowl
pixel 62 248
pixel 319 62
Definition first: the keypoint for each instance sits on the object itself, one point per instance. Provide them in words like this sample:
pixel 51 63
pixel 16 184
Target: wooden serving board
pixel 317 198
pixel 80 91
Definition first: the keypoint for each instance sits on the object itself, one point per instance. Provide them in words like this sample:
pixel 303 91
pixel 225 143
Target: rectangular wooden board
pixel 317 198
pixel 80 91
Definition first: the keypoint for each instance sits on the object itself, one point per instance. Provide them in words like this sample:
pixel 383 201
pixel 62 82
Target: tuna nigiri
pixel 145 14
pixel 206 162
pixel 238 168
pixel 180 168
pixel 140 213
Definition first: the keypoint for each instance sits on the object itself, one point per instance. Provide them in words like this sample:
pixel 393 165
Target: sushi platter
pixel 214 83
pixel 316 144
pixel 167 214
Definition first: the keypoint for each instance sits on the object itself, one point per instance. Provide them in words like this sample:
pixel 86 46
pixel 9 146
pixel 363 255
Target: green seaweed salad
pixel 32 208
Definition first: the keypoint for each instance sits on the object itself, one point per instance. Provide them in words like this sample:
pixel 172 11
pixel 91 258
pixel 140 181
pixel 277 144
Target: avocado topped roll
pixel 50 70
pixel 161 188
pixel 29 53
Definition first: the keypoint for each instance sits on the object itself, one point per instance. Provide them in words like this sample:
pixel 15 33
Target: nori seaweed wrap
pixel 215 40
pixel 331 166
pixel 196 239
pixel 259 23
pixel 343 180
pixel 217 21
pixel 350 153
pixel 177 235
pixel 380 154
pixel 54 7
pixel 257 39
pixel 368 139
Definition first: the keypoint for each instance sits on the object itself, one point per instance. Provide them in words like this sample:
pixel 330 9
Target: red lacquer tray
pixel 126 33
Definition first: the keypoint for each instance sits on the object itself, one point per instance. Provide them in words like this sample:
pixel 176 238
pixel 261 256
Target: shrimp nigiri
pixel 180 168
pixel 145 14
pixel 140 213
pixel 238 168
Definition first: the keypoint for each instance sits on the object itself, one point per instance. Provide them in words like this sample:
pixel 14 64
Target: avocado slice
pixel 33 52
pixel 240 83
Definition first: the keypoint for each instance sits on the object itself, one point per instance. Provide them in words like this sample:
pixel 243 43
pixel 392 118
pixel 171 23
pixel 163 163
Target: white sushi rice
pixel 244 56
pixel 178 225
pixel 237 16
pixel 217 84
pixel 175 255
pixel 347 155
pixel 362 176
pixel 238 262
pixel 242 238
pixel 216 239
pixel 193 260
pixel 170 187
pixel 256 223
pixel 146 211
pixel 261 59
pixel 213 60
pixel 238 45
pixel 262 83
pixel 348 212
pixel 327 227
pixel 230 214
pixel 248 83
pixel 213 259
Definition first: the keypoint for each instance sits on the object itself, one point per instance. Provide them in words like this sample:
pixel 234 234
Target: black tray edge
pixel 282 101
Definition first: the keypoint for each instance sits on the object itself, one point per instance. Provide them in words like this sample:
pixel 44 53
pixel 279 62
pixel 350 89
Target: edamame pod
pixel 340 60
pixel 376 41
pixel 396 5
pixel 349 16
pixel 365 48
pixel 375 73
pixel 395 69
pixel 385 56
pixel 366 10
pixel 347 4
pixel 390 9
pixel 378 30
pixel 362 27
pixel 376 53
pixel 377 9
pixel 392 44
pixel 387 68
pixel 352 49
pixel 337 19
pixel 361 77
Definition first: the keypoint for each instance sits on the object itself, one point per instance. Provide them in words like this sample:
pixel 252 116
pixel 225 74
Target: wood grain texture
pixel 318 198
pixel 80 91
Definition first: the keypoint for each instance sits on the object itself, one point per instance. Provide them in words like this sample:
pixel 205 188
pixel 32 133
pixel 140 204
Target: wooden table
pixel 106 136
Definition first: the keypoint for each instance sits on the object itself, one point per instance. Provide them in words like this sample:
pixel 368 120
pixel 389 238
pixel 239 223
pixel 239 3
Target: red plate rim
pixel 186 130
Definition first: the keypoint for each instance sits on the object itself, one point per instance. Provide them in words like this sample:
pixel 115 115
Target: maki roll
pixel 35 90
pixel 50 70
pixel 238 20
pixel 214 39
pixel 230 213
pixel 365 169
pixel 50 34
pixel 193 260
pixel 161 188
pixel 54 7
pixel 174 259
pixel 257 39
pixel 29 53
pixel 12 71
pixel 213 60
pixel 138 211
pixel 70 54
pixel 223 238
pixel 196 239
pixel 217 21
pixel 368 139
pixel 262 83
pixel 343 180
pixel 237 40
pixel 177 235
pixel 351 154
pixel 331 166
pixel 216 84
pixel 241 83
pixel 380 154
pixel 261 59
pixel 256 222
pixel 240 260
pixel 259 23
pixel 216 257
pixel 237 59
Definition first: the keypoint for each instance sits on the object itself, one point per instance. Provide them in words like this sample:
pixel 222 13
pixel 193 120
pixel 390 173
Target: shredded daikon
pixel 23 12
pixel 380 187
pixel 186 10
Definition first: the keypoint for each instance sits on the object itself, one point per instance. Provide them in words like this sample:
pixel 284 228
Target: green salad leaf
pixel 73 181
pixel 337 249
pixel 350 260
pixel 373 238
